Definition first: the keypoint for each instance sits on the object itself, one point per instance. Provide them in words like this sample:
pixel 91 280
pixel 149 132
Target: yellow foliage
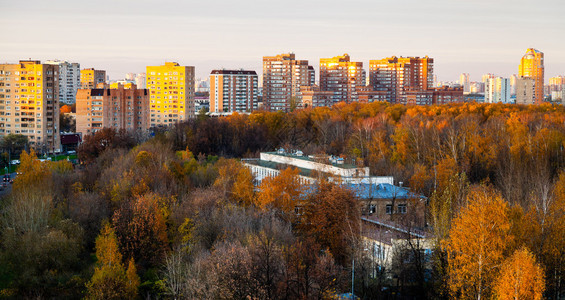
pixel 520 278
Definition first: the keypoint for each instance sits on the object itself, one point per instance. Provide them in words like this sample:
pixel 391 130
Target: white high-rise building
pixel 69 80
pixel 465 83
pixel 497 89
pixel 140 80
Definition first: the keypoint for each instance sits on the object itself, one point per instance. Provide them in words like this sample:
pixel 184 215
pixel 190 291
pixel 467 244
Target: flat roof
pixel 306 158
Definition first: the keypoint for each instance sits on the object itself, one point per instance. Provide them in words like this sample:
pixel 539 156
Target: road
pixel 6 190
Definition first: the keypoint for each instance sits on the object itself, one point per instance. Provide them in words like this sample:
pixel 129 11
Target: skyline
pixel 126 36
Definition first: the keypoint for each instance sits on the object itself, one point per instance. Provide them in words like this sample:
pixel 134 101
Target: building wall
pixel 233 90
pixel 29 103
pixel 171 88
pixel 342 77
pixel 312 165
pixel 312 97
pixel 497 90
pixel 69 80
pixel 118 108
pixel 396 75
pixel 532 66
pixel 283 77
pixel 90 78
pixel 525 91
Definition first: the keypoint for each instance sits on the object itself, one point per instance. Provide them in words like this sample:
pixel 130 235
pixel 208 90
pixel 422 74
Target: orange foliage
pixel 520 278
pixel 281 192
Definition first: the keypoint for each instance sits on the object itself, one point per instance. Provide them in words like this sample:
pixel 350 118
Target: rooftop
pixel 323 159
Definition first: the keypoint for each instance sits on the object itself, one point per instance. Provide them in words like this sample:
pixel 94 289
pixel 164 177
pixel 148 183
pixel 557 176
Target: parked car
pixel 15 162
pixel 71 152
pixel 6 178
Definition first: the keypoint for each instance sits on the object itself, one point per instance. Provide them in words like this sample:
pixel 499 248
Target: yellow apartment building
pixel 171 89
pixel 29 103
pixel 90 78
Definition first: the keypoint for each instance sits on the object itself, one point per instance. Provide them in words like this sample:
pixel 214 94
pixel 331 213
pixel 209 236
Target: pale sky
pixel 122 36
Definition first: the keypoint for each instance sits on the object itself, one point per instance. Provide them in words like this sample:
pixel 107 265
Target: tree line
pixel 175 215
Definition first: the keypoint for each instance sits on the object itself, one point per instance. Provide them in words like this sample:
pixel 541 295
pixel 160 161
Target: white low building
pixel 271 163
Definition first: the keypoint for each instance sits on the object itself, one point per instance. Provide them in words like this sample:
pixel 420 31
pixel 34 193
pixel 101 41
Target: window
pixel 389 209
pixel 401 208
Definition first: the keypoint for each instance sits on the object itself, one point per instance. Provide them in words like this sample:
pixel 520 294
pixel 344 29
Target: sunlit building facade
pixel 465 83
pixel 90 78
pixel 233 91
pixel 497 90
pixel 29 103
pixel 396 75
pixel 171 88
pixel 283 77
pixel 532 66
pixel 342 77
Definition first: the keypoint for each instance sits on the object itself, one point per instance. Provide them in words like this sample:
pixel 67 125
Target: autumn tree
pixel 281 192
pixel 330 215
pixel 141 230
pixel 520 277
pixel 478 241
pixel 111 280
pixel 235 181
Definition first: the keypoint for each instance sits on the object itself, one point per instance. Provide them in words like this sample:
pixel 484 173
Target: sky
pixel 124 36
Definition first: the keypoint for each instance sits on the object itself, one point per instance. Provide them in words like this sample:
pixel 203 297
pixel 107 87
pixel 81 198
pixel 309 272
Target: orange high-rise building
pixel 283 76
pixel 233 91
pixel 90 78
pixel 342 77
pixel 396 75
pixel 531 66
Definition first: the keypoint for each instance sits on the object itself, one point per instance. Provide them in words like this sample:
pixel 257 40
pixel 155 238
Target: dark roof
pixel 375 191
pixel 73 138
pixel 234 72
pixel 97 92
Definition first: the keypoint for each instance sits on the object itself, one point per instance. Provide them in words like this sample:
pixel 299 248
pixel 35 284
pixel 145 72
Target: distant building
pixel 313 96
pixel 171 88
pixel 368 95
pixel 90 78
pixel 525 90
pixel 396 75
pixel 283 77
pixel 342 77
pixel 477 87
pixel 69 80
pixel 532 66
pixel 439 95
pixel 29 103
pixel 497 90
pixel 233 91
pixel 112 107
pixel 465 83
pixel 556 87
pixel 141 80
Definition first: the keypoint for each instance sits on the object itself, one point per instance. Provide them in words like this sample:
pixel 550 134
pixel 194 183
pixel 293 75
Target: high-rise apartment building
pixel 171 88
pixel 116 107
pixel 29 103
pixel 90 78
pixel 233 91
pixel 283 76
pixel 556 87
pixel 342 77
pixel 525 90
pixel 69 80
pixel 140 81
pixel 396 75
pixel 497 90
pixel 465 83
pixel 531 66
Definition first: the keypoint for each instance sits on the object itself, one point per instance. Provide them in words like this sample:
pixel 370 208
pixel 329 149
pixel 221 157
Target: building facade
pixel 90 78
pixel 342 77
pixel 497 90
pixel 283 77
pixel 233 91
pixel 532 66
pixel 525 90
pixel 171 88
pixel 69 80
pixel 117 107
pixel 465 82
pixel 313 96
pixel 29 103
pixel 396 75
